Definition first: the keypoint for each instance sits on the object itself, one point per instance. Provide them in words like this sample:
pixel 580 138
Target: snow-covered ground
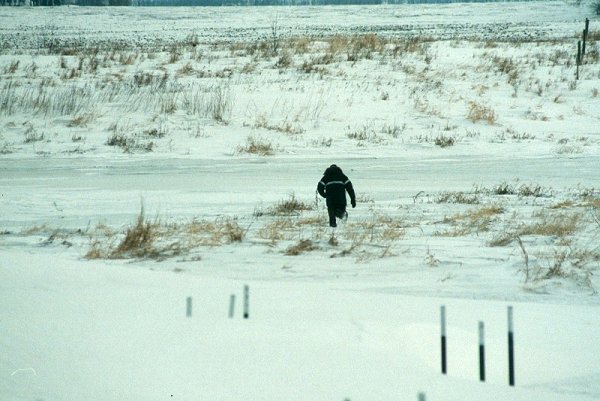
pixel 473 149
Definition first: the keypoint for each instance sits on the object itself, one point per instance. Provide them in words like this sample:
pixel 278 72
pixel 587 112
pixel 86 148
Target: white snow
pixel 357 315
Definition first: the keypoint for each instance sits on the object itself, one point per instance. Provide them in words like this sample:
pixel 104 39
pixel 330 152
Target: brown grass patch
pixel 591 201
pixel 277 230
pixel 480 112
pixel 473 221
pixel 379 229
pixel 257 146
pixel 559 225
pixel 302 246
pixel 291 205
pixel 148 239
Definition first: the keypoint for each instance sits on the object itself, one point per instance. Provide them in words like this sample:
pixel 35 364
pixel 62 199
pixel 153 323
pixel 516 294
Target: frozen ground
pixel 474 153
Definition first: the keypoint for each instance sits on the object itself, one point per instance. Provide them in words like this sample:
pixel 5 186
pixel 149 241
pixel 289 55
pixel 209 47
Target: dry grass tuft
pixel 212 233
pixel 139 240
pixel 457 198
pixel 365 46
pixel 277 230
pixel 285 127
pixel 379 229
pixel 566 204
pixel 256 146
pixel 503 239
pixel 95 251
pixel 473 221
pixel 480 112
pixel 592 201
pixel 444 141
pixel 364 134
pixel 148 239
pixel 302 246
pixel 82 120
pixel 291 206
pixel 558 225
pixel 559 263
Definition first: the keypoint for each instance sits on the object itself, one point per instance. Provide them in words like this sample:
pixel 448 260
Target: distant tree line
pixel 163 3
pixel 294 2
pixel 66 2
pixel 14 2
pixel 103 2
pixel 249 2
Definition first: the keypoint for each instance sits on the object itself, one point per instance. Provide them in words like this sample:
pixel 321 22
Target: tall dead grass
pixel 473 221
pixel 480 112
pixel 553 225
pixel 153 239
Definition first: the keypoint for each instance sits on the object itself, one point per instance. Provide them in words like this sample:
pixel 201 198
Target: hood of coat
pixel 334 172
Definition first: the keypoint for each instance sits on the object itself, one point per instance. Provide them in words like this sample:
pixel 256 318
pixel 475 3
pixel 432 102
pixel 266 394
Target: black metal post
pixel 578 60
pixel 443 335
pixel 246 302
pixel 585 35
pixel 188 307
pixel 481 352
pixel 231 306
pixel 511 348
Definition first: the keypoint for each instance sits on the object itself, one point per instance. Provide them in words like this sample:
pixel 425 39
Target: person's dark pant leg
pixel 340 212
pixel 331 212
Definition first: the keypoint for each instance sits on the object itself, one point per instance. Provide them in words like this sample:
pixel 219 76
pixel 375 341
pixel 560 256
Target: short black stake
pixel 578 59
pixel 443 332
pixel 188 308
pixel 481 352
pixel 231 306
pixel 246 302
pixel 422 397
pixel 511 348
pixel 585 35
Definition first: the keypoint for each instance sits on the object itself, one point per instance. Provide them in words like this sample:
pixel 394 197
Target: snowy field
pixel 148 155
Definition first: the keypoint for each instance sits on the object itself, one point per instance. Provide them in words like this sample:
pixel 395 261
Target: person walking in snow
pixel 333 187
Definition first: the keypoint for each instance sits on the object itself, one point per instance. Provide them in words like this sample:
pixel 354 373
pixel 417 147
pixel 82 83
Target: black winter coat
pixel 333 187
